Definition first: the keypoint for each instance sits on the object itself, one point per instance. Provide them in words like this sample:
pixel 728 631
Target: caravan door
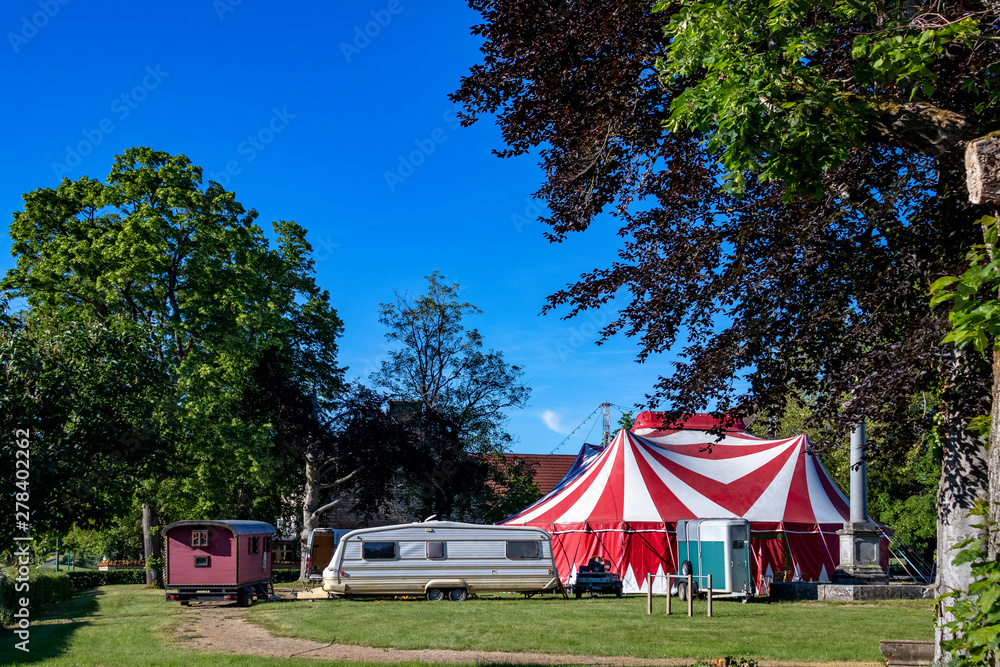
pixel 319 550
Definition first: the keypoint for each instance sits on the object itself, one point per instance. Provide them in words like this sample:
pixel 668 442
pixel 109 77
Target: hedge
pixel 42 590
pixel 84 580
pixel 285 575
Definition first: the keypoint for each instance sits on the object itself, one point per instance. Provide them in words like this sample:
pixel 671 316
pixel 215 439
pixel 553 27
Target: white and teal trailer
pixel 439 559
pixel 717 547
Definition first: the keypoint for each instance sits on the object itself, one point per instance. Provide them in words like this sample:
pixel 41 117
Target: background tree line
pixel 171 363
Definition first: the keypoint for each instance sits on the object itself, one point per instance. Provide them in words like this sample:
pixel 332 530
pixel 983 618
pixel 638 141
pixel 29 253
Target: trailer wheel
pixel 682 590
pixel 579 593
pixel 185 603
pixel 686 568
pixel 457 594
pixel 435 594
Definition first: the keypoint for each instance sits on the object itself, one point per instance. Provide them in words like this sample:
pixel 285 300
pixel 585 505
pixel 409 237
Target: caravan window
pixel 435 550
pixel 378 550
pixel 522 550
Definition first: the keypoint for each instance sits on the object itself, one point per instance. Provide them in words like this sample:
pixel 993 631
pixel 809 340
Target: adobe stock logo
pixel 31 25
pixel 122 106
pixel 363 36
pixel 254 145
pixel 423 148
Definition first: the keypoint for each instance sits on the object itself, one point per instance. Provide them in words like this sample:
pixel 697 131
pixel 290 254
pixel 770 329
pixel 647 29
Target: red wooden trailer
pixel 217 560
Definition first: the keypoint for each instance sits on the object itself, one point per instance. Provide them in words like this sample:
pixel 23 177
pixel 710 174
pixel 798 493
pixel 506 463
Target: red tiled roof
pixel 549 468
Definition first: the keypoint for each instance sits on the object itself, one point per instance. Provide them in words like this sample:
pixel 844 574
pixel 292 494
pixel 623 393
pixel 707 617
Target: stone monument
pixel 860 539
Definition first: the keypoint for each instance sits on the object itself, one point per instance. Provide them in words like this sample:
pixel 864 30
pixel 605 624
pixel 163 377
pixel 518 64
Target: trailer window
pixel 253 545
pixel 199 538
pixel 202 561
pixel 378 550
pixel 435 549
pixel 524 550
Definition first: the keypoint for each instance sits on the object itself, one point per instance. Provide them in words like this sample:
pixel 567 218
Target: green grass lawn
pixel 608 626
pixel 119 626
pixel 128 625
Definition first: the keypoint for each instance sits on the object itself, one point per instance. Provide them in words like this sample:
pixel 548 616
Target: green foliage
pixel 976 628
pixel 907 57
pixel 285 575
pixel 44 590
pixel 752 91
pixel 975 308
pixel 754 78
pixel 121 541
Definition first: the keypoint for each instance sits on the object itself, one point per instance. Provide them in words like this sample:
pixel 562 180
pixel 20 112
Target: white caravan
pixel 441 559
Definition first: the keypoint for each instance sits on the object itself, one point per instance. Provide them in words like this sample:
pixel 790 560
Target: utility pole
pixel 606 440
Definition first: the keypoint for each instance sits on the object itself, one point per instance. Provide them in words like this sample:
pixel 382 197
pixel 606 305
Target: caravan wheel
pixel 435 594
pixel 457 594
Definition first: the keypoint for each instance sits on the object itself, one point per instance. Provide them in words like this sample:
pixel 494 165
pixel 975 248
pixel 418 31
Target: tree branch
pixel 920 127
pixel 324 508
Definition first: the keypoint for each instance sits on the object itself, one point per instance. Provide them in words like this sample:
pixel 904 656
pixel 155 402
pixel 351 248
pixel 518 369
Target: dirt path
pixel 223 630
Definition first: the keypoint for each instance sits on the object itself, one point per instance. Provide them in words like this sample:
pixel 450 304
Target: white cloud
pixel 553 421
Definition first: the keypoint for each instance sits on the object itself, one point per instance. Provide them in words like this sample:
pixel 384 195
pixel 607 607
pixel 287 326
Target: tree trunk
pixel 151 543
pixel 310 519
pixel 964 479
pixel 993 458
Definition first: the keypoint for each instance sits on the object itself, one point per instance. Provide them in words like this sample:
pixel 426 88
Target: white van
pixel 441 559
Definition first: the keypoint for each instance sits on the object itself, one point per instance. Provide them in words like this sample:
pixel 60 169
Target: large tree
pixel 835 130
pixel 456 394
pixel 188 270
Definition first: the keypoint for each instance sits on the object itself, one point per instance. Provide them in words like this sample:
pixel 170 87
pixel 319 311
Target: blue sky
pixel 334 115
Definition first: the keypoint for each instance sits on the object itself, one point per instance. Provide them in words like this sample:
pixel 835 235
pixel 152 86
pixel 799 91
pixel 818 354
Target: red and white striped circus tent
pixel 624 502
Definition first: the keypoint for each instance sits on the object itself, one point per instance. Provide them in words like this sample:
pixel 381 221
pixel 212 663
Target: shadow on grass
pixel 44 643
pixel 47 637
